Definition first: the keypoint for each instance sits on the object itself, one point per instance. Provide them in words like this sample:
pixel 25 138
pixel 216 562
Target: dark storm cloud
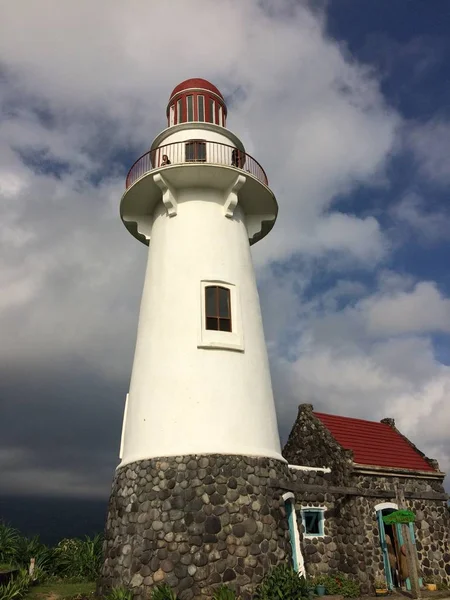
pixel 64 419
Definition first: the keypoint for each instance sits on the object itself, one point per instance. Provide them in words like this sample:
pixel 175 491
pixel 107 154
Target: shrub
pixel 9 544
pixel 163 592
pixel 224 593
pixel 16 588
pixel 339 583
pixel 120 593
pixel 282 582
pixel 79 557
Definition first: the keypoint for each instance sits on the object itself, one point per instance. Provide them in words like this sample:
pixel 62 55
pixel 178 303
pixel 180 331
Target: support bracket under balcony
pixel 168 195
pixel 231 196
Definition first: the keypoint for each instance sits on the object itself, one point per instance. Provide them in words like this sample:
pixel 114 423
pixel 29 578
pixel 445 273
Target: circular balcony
pixel 195 151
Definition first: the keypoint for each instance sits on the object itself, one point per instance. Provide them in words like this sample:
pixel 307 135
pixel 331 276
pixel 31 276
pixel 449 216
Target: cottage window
pixel 218 308
pixel 313 521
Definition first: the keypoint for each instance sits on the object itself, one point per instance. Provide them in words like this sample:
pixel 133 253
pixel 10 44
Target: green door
pixel 384 548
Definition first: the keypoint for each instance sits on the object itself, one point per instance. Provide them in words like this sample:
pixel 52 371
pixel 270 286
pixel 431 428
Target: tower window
pixel 196 151
pixel 212 111
pixel 313 520
pixel 218 308
pixel 179 111
pixel 220 116
pixel 201 108
pixel 190 108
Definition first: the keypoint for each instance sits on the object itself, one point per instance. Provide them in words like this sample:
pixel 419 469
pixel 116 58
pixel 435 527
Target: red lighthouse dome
pixel 198 100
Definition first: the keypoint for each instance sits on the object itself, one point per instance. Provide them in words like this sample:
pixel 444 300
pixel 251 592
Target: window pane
pixel 212 323
pixel 212 111
pixel 224 303
pixel 190 109
pixel 190 151
pixel 179 112
pixel 201 151
pixel 210 301
pixel 312 522
pixel 225 325
pixel 201 108
pixel 220 115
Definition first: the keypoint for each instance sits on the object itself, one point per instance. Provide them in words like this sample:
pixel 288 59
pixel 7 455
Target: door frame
pixel 379 515
pixel 291 515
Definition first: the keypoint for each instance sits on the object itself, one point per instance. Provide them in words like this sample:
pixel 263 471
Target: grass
pixel 60 589
pixel 5 567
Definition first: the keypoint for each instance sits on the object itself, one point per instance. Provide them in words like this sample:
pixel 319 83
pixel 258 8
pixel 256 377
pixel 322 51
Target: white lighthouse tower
pixel 199 430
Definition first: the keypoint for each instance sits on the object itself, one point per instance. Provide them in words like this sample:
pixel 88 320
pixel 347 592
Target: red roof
pixel 372 443
pixel 195 82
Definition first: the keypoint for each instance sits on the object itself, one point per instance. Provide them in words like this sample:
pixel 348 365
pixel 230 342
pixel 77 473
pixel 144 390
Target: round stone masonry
pixel 195 522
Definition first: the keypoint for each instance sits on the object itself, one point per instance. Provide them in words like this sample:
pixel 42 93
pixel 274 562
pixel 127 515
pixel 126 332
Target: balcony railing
pixel 195 151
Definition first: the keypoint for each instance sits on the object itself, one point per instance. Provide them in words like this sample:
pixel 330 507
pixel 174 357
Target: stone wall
pixel 195 522
pixel 351 543
pixel 311 444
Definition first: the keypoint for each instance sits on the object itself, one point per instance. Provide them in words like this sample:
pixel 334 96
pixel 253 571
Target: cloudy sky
pixel 345 105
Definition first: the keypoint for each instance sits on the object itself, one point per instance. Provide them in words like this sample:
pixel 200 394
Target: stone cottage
pixel 346 475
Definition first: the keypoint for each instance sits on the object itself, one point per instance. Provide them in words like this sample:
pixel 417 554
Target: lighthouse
pixel 194 502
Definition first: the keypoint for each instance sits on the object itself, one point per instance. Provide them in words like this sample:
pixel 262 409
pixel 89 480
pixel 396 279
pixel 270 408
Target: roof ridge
pixel 315 412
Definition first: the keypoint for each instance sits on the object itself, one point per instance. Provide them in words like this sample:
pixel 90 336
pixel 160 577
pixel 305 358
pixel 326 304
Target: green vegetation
pixel 67 568
pixel 282 582
pixel 120 593
pixel 224 593
pixel 60 589
pixel 340 583
pixel 163 592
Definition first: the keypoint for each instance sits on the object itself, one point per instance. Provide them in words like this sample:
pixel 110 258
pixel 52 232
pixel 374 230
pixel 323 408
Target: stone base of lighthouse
pixel 195 522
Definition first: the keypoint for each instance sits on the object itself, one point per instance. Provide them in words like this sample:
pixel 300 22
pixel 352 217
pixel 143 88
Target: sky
pixel 346 106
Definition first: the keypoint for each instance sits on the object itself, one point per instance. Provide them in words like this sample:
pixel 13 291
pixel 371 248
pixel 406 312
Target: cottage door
pixel 401 541
pixel 384 548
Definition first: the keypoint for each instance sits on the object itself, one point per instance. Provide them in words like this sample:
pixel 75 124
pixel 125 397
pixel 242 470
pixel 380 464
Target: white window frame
pixel 220 115
pixel 226 340
pixel 172 115
pixel 212 110
pixel 320 509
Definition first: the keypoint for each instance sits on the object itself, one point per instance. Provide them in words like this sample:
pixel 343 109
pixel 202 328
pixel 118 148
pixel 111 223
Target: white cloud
pixel 431 226
pixel 430 143
pixel 423 309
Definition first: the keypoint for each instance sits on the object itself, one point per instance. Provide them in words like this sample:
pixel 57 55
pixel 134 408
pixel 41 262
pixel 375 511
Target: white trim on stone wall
pixel 304 468
pixel 298 550
pixel 384 505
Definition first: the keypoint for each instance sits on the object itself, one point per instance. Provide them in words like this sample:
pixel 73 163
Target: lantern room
pixel 196 100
